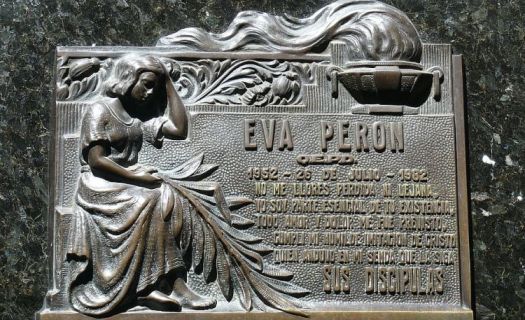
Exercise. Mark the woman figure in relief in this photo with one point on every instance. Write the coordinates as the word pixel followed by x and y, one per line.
pixel 122 246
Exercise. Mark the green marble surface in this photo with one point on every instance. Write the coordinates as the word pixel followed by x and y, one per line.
pixel 490 33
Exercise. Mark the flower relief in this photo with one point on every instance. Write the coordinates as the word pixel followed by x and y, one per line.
pixel 244 82
pixel 227 82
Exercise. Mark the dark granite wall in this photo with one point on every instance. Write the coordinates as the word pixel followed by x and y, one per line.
pixel 490 33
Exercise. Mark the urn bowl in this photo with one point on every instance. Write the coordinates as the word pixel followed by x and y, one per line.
pixel 387 82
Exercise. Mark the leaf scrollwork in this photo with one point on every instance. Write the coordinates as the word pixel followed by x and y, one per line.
pixel 243 82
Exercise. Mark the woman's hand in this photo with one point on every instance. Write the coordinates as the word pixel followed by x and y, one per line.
pixel 147 178
pixel 177 126
pixel 142 168
pixel 102 166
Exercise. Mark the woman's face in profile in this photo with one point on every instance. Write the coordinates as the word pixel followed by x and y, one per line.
pixel 145 88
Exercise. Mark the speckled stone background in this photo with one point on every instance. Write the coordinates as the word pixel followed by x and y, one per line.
pixel 490 33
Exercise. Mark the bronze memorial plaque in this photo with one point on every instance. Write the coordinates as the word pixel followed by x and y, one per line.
pixel 287 168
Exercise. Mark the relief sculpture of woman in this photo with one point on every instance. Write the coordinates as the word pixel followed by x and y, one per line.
pixel 122 247
pixel 136 230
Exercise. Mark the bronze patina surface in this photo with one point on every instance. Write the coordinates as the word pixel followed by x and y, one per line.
pixel 284 168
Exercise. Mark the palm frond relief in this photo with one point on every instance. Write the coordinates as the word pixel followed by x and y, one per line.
pixel 220 249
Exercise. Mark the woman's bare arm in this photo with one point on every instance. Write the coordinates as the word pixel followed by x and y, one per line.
pixel 100 164
pixel 177 126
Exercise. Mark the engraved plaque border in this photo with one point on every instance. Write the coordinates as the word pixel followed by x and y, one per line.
pixel 405 312
pixel 379 96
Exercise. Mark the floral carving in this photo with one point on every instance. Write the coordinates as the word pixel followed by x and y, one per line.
pixel 80 78
pixel 247 82
pixel 258 95
pixel 287 86
pixel 227 82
